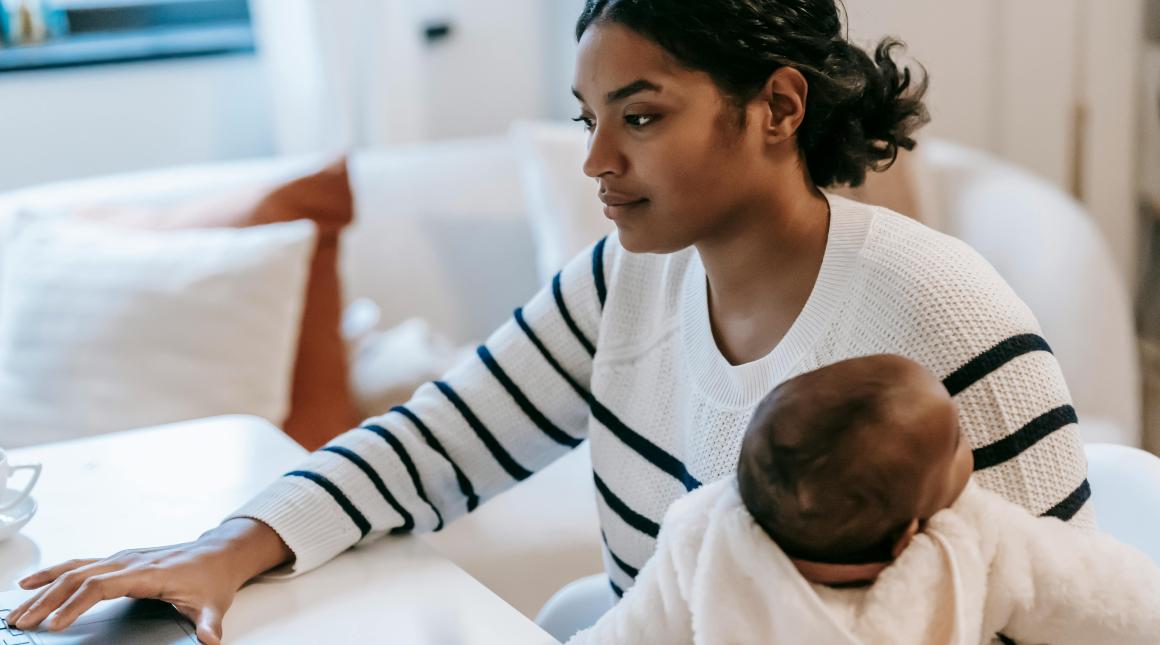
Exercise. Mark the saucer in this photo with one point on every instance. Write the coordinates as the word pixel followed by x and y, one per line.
pixel 14 519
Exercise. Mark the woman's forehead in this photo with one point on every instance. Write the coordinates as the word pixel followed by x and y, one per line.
pixel 612 56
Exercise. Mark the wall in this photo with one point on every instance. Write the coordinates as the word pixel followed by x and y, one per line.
pixel 492 69
pixel 1008 76
pixel 562 59
pixel 58 124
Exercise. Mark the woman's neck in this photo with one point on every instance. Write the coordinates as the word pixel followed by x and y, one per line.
pixel 762 267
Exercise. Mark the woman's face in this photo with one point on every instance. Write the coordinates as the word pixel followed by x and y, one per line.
pixel 664 144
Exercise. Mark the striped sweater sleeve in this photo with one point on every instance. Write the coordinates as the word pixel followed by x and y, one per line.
pixel 515 406
pixel 968 326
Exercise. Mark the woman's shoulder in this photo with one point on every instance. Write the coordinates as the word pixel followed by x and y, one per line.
pixel 923 270
pixel 919 253
pixel 938 297
pixel 645 290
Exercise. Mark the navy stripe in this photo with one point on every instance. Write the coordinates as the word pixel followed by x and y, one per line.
pixel 518 472
pixel 992 359
pixel 542 422
pixel 598 271
pixel 616 590
pixel 644 447
pixel 361 522
pixel 631 517
pixel 548 355
pixel 408 521
pixel 397 446
pixel 1024 438
pixel 1066 509
pixel 563 307
pixel 464 483
pixel 627 568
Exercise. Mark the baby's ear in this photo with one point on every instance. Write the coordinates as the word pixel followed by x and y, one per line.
pixel 904 539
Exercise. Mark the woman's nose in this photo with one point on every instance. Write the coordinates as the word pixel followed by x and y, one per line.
pixel 604 156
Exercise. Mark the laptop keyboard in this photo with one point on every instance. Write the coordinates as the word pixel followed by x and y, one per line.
pixel 9 635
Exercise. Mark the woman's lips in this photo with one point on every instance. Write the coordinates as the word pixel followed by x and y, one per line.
pixel 613 209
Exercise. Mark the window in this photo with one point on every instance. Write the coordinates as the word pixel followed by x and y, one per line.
pixel 39 34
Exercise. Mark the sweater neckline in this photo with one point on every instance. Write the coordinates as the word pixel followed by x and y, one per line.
pixel 743 386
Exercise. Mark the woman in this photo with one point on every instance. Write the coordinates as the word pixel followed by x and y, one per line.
pixel 712 126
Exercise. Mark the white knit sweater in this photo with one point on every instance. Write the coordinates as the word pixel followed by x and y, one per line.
pixel 618 350
pixel 980 568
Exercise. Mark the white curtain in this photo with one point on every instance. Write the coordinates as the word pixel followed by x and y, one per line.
pixel 343 74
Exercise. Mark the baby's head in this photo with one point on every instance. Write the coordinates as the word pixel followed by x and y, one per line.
pixel 842 464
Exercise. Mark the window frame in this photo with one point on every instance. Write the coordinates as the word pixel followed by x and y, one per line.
pixel 123 31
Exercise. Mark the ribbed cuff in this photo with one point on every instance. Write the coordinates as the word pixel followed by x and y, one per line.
pixel 306 518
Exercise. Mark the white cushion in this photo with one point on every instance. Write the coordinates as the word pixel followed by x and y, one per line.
pixel 388 366
pixel 439 232
pixel 160 188
pixel 563 210
pixel 104 328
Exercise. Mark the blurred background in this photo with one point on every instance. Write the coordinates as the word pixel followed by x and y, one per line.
pixel 1043 155
pixel 1067 89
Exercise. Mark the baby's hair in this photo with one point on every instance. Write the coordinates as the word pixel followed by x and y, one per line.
pixel 806 473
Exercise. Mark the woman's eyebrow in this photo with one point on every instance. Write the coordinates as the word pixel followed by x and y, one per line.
pixel 635 87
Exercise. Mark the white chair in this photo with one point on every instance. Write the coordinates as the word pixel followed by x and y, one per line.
pixel 1125 485
pixel 575 607
pixel 1048 248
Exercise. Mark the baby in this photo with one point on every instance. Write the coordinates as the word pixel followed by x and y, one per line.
pixel 853 519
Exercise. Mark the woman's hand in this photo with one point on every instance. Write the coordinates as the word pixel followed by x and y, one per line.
pixel 199 578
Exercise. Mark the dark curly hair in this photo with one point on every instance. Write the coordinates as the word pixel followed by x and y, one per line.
pixel 859 111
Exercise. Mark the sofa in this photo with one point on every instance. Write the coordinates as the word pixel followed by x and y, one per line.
pixel 446 231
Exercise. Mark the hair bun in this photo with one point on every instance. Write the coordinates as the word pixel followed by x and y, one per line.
pixel 875 107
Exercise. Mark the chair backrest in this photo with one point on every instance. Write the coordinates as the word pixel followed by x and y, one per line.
pixel 1125 485
pixel 1047 247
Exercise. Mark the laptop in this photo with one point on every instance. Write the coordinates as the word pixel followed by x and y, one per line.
pixel 120 622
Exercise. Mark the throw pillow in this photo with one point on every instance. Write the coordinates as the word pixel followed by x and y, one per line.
pixel 105 329
pixel 321 402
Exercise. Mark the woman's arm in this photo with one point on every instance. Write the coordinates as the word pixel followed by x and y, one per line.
pixel 520 403
pixel 513 408
pixel 965 324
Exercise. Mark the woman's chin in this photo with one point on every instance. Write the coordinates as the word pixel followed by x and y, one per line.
pixel 635 239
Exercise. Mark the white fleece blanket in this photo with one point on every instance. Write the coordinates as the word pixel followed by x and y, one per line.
pixel 982 567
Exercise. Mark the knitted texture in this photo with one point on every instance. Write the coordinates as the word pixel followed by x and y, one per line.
pixel 618 350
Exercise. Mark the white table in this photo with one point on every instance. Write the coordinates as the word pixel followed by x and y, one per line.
pixel 168 484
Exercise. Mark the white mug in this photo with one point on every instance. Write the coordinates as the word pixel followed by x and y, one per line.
pixel 6 472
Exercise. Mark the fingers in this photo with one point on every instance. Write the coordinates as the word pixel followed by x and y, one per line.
pixel 93 590
pixel 209 626
pixel 45 576
pixel 34 610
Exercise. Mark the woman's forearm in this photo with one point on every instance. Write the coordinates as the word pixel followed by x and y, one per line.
pixel 252 547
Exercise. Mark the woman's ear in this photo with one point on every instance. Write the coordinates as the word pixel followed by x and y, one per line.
pixel 903 540
pixel 785 96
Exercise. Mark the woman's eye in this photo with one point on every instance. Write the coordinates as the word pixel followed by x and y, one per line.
pixel 588 122
pixel 640 120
